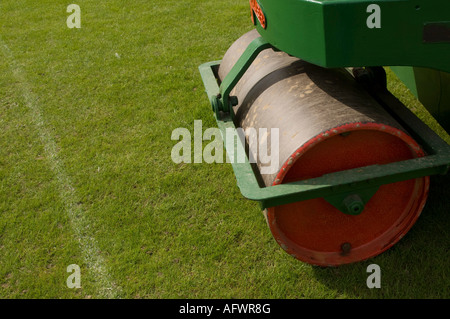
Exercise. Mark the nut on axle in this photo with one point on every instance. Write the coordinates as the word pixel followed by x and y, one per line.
pixel 353 204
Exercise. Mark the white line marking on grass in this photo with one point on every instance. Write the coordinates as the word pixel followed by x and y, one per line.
pixel 79 222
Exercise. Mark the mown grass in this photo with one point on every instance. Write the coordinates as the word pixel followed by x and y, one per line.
pixel 110 95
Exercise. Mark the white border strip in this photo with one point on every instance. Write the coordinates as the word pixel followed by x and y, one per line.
pixel 79 222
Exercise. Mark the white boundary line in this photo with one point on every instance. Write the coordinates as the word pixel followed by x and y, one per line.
pixel 78 220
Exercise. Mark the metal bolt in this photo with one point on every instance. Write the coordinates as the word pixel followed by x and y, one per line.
pixel 346 247
pixel 354 204
pixel 233 100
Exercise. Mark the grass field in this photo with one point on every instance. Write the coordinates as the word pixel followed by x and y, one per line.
pixel 86 175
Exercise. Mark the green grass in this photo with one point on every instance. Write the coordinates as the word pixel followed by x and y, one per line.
pixel 111 195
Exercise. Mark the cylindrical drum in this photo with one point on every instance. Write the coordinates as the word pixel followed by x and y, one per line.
pixel 326 123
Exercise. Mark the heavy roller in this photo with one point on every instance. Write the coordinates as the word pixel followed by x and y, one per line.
pixel 354 162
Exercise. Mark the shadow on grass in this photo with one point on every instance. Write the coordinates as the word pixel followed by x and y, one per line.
pixel 418 266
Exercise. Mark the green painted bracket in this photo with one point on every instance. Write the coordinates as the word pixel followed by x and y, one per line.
pixel 352 203
pixel 338 184
pixel 223 101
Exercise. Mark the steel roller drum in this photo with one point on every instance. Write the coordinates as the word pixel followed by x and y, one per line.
pixel 326 123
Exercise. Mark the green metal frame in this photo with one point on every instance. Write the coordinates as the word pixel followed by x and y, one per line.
pixel 334 33
pixel 339 184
